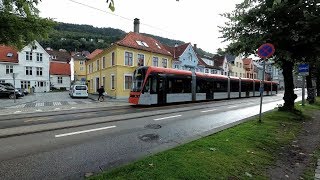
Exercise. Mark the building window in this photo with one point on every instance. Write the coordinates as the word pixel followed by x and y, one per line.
pixel 39 57
pixel 41 83
pixel 98 65
pixel 112 59
pixel 112 82
pixel 164 63
pixel 89 67
pixel 103 62
pixel 28 70
pixel 237 64
pixel 241 65
pixel 236 74
pixel 190 57
pixel 2 81
pixel 9 69
pixel 128 59
pixel 212 71
pixel 39 71
pixel 240 74
pixel 104 82
pixel 155 61
pixel 59 80
pixel 207 71
pixel 127 82
pixel 81 69
pixel 28 56
pixel 25 84
pixel 81 62
pixel 176 66
pixel 140 60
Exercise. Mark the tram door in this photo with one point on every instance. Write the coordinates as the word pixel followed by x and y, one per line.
pixel 161 89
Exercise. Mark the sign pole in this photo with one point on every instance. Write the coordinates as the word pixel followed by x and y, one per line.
pixel 264 51
pixel 262 88
pixel 303 89
pixel 14 87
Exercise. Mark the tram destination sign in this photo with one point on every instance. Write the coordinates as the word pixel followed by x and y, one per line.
pixel 303 69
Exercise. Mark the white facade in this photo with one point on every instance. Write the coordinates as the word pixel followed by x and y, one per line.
pixel 31 71
pixel 60 81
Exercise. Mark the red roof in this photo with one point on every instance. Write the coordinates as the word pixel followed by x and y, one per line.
pixel 57 68
pixel 94 53
pixel 152 45
pixel 177 51
pixel 5 54
pixel 247 61
pixel 218 60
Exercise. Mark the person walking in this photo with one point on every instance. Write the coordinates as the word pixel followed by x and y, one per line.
pixel 101 91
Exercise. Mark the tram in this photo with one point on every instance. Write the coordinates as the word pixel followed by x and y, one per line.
pixel 157 85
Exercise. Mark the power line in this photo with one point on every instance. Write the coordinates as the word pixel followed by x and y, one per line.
pixel 101 10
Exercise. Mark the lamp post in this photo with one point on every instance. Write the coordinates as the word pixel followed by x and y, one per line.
pixel 14 75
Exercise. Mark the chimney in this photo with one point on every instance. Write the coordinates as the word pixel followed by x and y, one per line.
pixel 136 24
pixel 176 45
pixel 195 46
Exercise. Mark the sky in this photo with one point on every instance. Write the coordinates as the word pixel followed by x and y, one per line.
pixel 186 20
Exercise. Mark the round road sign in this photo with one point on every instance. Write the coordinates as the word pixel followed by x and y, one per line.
pixel 266 50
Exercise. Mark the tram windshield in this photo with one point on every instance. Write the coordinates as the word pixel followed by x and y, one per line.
pixel 138 77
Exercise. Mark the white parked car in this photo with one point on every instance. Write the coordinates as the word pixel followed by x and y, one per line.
pixel 78 91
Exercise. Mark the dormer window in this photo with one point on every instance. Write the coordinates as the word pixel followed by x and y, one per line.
pixel 9 54
pixel 34 47
pixel 141 43
pixel 158 46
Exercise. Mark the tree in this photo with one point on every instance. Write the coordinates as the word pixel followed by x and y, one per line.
pixel 20 23
pixel 292 26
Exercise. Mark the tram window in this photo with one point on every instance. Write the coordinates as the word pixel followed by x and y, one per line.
pixel 201 86
pixel 257 86
pixel 147 86
pixel 153 89
pixel 179 85
pixel 234 86
pixel 221 86
pixel 246 86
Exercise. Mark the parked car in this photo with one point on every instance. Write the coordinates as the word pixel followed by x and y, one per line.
pixel 9 92
pixel 79 91
pixel 24 91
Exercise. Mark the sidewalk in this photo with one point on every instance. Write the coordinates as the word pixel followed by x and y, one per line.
pixel 107 98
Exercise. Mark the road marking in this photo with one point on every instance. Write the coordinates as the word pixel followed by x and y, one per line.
pixel 57 104
pixel 209 110
pixel 72 102
pixel 38 119
pixel 57 109
pixel 40 104
pixel 85 131
pixel 232 106
pixel 167 117
pixel 73 107
pixel 38 110
pixel 17 112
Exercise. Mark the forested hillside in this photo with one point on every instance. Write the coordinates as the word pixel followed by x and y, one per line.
pixel 75 37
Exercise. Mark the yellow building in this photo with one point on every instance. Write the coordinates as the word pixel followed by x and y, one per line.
pixel 113 67
pixel 78 64
pixel 237 67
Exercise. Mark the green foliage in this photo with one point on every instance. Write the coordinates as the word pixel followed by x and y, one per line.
pixel 292 26
pixel 20 23
pixel 250 147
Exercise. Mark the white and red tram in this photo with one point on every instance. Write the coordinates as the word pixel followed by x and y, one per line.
pixel 156 85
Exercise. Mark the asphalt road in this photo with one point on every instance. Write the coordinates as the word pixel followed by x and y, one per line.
pixel 70 153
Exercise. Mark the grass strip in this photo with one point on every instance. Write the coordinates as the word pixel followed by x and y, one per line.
pixel 240 152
